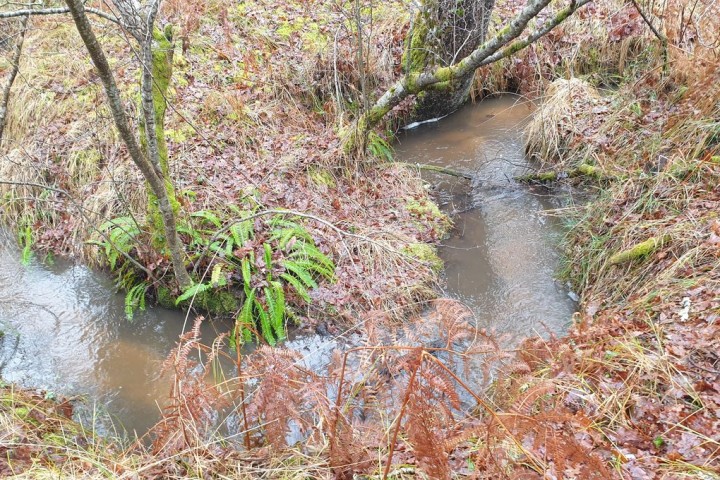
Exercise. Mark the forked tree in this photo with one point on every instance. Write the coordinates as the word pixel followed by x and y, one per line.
pixel 149 153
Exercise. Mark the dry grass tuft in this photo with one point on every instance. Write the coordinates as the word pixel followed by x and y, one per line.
pixel 552 135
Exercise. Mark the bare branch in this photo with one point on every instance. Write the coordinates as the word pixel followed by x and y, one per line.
pixel 56 11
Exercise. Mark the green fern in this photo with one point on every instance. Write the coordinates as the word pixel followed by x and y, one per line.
pixel 301 273
pixel 216 277
pixel 26 240
pixel 245 318
pixel 275 298
pixel 265 324
pixel 192 291
pixel 135 300
pixel 208 216
pixel 297 285
pixel 379 148
pixel 121 235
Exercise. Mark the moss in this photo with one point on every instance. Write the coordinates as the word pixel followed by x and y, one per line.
pixel 165 298
pixel 427 210
pixel 57 440
pixel 588 170
pixel 322 177
pixel 181 134
pixel 162 68
pixel 21 412
pixel 542 177
pixel 639 251
pixel 414 58
pixel 218 302
pixel 426 253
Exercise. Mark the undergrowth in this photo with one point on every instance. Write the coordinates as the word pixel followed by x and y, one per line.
pixel 631 392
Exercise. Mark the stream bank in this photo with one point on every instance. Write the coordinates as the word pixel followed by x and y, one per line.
pixel 500 262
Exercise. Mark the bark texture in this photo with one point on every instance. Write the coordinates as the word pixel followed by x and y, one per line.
pixel 157 57
pixel 444 31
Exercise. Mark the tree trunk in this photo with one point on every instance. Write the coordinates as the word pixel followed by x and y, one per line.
pixel 154 178
pixel 444 31
pixel 14 69
pixel 157 58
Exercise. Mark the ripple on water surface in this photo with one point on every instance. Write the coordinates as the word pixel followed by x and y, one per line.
pixel 503 254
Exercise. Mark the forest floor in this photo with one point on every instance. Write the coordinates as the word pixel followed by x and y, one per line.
pixel 632 391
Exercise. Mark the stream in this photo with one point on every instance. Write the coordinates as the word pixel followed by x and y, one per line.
pixel 64 328
pixel 501 258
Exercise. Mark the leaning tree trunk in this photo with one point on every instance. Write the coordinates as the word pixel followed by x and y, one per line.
pixel 444 32
pixel 448 78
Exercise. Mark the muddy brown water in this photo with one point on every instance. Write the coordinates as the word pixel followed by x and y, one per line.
pixel 64 327
pixel 503 253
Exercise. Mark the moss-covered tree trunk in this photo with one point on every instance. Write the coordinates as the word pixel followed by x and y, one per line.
pixel 150 168
pixel 159 55
pixel 443 32
pixel 454 80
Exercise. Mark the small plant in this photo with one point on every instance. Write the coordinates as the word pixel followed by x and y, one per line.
pixel 379 147
pixel 135 300
pixel 282 260
pixel 26 241
pixel 120 238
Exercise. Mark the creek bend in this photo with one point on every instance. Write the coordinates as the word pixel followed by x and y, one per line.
pixel 64 326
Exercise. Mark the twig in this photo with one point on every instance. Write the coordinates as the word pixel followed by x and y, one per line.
pixel 57 11
pixel 437 169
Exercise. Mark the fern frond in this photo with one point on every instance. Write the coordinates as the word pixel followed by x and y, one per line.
pixel 278 312
pixel 209 216
pixel 297 286
pixel 242 231
pixel 246 273
pixel 245 318
pixel 267 256
pixel 310 266
pixel 192 291
pixel 265 325
pixel 135 299
pixel 216 278
pixel 311 253
pixel 299 271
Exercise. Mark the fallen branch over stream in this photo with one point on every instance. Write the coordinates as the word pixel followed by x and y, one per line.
pixel 436 169
pixel 583 170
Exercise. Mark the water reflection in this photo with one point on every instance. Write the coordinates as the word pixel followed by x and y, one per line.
pixel 65 331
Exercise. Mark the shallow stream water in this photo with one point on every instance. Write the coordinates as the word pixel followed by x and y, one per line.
pixel 64 326
pixel 503 253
